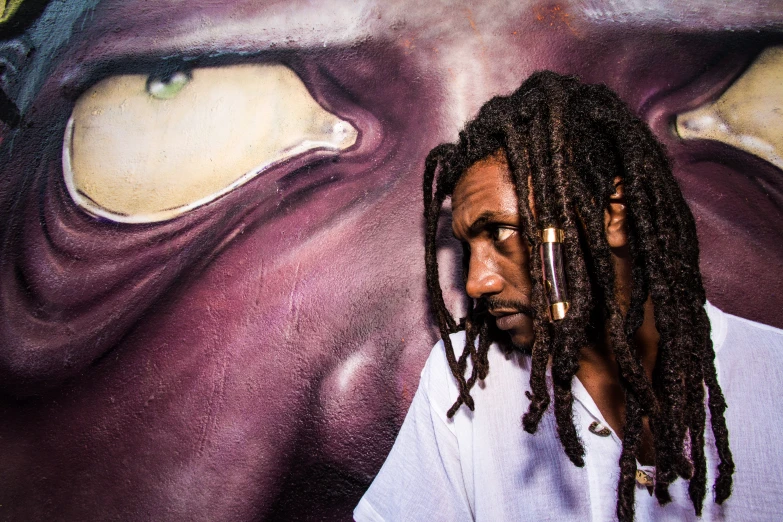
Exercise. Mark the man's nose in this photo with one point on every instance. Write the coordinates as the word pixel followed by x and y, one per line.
pixel 483 278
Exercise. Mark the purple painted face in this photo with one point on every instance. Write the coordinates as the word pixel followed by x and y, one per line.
pixel 251 355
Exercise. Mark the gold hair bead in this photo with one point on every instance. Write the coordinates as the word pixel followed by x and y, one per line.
pixel 552 235
pixel 552 257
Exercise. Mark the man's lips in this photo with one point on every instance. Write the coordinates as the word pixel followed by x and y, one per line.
pixel 509 313
pixel 507 320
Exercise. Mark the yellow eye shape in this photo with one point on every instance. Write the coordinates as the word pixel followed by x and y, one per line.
pixel 503 233
pixel 142 149
pixel 747 116
pixel 169 86
pixel 9 8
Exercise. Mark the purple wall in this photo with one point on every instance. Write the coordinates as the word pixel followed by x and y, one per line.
pixel 184 338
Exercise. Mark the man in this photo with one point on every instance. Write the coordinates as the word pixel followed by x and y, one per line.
pixel 628 357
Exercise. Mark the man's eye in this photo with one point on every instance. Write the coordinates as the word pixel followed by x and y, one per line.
pixel 147 148
pixel 503 233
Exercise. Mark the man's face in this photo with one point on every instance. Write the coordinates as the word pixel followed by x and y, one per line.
pixel 486 220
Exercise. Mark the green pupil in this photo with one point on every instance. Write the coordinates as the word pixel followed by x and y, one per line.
pixel 167 88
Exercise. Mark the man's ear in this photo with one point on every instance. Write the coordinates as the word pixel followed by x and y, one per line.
pixel 614 218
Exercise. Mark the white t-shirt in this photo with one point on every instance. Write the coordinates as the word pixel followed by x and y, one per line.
pixel 483 466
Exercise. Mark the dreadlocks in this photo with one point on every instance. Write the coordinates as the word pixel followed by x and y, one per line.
pixel 570 141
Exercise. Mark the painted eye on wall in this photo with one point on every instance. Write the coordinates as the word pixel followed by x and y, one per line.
pixel 143 149
pixel 169 86
pixel 747 115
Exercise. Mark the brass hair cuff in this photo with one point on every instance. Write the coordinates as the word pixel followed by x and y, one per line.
pixel 558 310
pixel 552 235
pixel 553 271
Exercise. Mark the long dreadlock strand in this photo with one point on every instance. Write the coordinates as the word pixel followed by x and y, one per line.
pixel 564 362
pixel 717 408
pixel 569 333
pixel 446 322
pixel 697 484
pixel 626 485
pixel 520 165
pixel 669 378
pixel 482 355
pixel 471 332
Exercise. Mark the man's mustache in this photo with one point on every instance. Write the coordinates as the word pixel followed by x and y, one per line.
pixel 485 304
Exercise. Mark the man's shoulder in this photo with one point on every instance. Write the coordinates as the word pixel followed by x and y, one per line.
pixel 736 334
pixel 748 355
pixel 436 374
pixel 756 329
pixel 505 367
pixel 437 358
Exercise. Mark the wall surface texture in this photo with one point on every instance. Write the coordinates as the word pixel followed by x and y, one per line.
pixel 212 298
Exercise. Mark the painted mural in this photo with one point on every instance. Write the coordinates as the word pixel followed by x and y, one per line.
pixel 212 298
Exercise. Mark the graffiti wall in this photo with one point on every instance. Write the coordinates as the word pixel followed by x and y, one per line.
pixel 212 298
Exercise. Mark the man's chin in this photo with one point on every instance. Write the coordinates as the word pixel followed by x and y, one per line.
pixel 509 342
pixel 524 346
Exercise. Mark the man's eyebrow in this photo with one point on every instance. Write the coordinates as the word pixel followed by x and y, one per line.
pixel 480 223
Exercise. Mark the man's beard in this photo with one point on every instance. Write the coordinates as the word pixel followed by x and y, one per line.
pixel 504 338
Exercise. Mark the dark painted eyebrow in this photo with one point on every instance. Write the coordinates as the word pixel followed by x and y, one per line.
pixel 88 74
